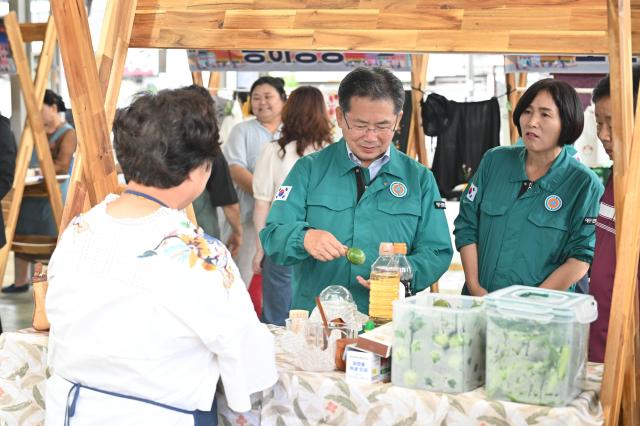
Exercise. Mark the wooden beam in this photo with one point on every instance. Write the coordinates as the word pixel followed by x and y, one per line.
pixel 512 95
pixel 112 51
pixel 33 102
pixel 111 58
pixel 630 391
pixel 87 97
pixel 416 142
pixel 627 198
pixel 33 31
pixel 214 83
pixel 33 99
pixel 196 77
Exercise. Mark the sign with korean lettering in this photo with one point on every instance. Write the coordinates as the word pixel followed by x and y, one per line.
pixel 557 64
pixel 280 60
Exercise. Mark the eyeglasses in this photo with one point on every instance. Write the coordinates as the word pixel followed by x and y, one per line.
pixel 362 129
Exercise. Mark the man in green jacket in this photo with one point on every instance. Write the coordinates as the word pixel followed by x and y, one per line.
pixel 358 192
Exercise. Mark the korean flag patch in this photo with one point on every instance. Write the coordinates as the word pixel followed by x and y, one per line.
pixel 471 194
pixel 282 193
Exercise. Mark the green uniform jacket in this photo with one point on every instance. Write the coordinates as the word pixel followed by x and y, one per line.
pixel 323 196
pixel 523 240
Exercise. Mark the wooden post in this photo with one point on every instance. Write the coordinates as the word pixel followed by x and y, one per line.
pixel 33 130
pixel 112 53
pixel 622 318
pixel 87 97
pixel 33 102
pixel 416 143
pixel 214 82
pixel 196 76
pixel 110 59
pixel 513 100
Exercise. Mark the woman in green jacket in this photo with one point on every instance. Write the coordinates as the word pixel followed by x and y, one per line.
pixel 528 214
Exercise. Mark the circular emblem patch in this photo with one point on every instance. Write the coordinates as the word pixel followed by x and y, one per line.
pixel 398 189
pixel 553 203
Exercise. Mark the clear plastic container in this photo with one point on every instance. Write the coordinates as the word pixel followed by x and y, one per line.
pixel 439 343
pixel 384 281
pixel 537 344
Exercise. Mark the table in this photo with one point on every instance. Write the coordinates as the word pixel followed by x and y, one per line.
pixel 305 398
pixel 23 371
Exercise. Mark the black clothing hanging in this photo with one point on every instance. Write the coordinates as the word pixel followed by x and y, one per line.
pixel 465 131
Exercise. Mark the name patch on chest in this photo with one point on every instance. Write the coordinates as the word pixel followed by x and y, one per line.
pixel 440 205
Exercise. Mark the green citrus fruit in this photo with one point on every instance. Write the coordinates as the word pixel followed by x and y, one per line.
pixel 356 256
pixel 441 303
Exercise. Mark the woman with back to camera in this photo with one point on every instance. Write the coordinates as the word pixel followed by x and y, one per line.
pixel 306 128
pixel 528 214
pixel 245 142
pixel 146 311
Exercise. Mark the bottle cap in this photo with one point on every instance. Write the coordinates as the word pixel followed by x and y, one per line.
pixel 400 248
pixel 369 325
pixel 385 249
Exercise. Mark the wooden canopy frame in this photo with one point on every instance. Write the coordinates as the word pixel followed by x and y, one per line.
pixel 542 26
pixel 33 134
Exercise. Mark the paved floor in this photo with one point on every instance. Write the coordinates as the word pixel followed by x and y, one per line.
pixel 16 310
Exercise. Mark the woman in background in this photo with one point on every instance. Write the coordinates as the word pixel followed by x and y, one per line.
pixel 267 98
pixel 306 128
pixel 528 214
pixel 36 216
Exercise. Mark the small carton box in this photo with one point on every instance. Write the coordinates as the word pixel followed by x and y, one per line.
pixel 378 340
pixel 366 367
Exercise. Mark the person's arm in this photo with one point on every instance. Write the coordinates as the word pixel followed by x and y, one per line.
pixel 567 274
pixel 218 309
pixel 7 157
pixel 466 228
pixel 220 185
pixel 68 144
pixel 582 239
pixel 287 237
pixel 232 214
pixel 243 177
pixel 431 251
pixel 469 257
pixel 260 213
pixel 235 151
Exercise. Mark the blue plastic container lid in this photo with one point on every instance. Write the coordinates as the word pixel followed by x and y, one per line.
pixel 541 304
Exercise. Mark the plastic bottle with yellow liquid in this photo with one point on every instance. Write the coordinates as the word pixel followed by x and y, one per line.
pixel 384 281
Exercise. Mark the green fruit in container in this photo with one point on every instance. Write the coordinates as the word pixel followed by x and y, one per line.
pixel 399 353
pixel 410 377
pixel 456 340
pixel 441 339
pixel 356 256
pixel 441 303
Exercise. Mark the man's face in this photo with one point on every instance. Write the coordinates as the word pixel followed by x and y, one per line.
pixel 368 127
pixel 603 123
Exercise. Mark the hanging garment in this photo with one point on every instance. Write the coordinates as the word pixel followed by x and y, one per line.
pixel 465 131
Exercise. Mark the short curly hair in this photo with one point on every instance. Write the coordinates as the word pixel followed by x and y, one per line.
pixel 160 138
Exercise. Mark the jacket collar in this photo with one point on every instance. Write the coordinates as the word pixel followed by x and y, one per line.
pixel 553 176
